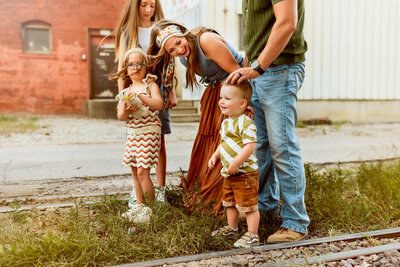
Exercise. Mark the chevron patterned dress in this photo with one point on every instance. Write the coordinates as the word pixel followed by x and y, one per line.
pixel 143 138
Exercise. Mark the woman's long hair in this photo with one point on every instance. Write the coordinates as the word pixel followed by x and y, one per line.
pixel 160 58
pixel 128 23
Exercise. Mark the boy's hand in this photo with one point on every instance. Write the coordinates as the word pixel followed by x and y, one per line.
pixel 212 162
pixel 233 169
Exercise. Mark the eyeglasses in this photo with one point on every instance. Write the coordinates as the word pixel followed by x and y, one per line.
pixel 135 66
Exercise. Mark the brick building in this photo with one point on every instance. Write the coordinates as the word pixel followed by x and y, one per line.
pixel 50 58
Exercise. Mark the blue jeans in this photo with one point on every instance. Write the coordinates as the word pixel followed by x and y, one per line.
pixel 165 117
pixel 278 150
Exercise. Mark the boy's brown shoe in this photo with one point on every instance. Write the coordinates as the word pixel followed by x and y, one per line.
pixel 285 235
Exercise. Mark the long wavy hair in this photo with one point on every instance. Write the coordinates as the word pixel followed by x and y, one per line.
pixel 160 58
pixel 128 23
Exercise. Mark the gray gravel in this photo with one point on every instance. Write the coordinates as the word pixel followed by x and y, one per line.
pixel 388 258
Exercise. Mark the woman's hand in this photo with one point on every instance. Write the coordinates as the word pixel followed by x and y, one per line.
pixel 172 100
pixel 249 112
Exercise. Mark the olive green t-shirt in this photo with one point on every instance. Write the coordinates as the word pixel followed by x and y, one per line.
pixel 258 18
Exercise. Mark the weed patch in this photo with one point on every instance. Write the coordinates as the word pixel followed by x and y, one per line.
pixel 12 124
pixel 98 235
pixel 362 199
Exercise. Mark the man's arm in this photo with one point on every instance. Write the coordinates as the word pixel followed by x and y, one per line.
pixel 286 21
pixel 284 27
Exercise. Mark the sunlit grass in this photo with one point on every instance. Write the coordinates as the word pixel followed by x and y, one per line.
pixel 366 198
pixel 10 124
pixel 338 200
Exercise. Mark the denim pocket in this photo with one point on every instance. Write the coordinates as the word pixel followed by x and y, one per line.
pixel 278 70
pixel 299 78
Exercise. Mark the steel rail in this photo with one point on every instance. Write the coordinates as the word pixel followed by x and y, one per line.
pixel 386 233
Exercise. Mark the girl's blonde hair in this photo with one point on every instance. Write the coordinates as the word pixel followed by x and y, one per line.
pixel 160 58
pixel 122 73
pixel 128 23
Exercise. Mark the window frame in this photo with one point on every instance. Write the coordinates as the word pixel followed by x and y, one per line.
pixel 36 25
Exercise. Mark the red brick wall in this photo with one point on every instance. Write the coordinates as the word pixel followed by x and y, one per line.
pixel 56 83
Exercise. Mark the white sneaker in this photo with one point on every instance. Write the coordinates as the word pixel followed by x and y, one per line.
pixel 143 216
pixel 130 214
pixel 160 194
pixel 132 199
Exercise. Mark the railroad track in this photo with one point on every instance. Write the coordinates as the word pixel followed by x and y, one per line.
pixel 54 201
pixel 375 248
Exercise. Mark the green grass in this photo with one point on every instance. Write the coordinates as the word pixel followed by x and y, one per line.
pixel 338 201
pixel 10 124
pixel 301 124
pixel 367 198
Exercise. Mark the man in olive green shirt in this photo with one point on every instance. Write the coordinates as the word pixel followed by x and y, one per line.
pixel 275 49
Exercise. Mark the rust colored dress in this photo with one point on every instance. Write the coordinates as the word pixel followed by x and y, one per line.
pixel 203 186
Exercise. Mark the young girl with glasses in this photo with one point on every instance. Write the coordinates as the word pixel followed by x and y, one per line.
pixel 133 30
pixel 138 106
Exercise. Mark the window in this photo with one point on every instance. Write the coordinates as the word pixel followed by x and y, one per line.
pixel 36 37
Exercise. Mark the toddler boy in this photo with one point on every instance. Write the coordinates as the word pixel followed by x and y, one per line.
pixel 239 164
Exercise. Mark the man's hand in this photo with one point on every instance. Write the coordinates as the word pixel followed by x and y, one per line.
pixel 242 74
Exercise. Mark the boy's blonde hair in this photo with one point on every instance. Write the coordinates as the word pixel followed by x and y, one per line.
pixel 245 89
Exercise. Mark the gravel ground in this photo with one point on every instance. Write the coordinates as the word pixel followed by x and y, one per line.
pixel 81 130
pixel 70 129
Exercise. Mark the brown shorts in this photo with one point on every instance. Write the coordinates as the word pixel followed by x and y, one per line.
pixel 241 191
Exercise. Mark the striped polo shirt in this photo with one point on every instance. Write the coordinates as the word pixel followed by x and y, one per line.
pixel 235 134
